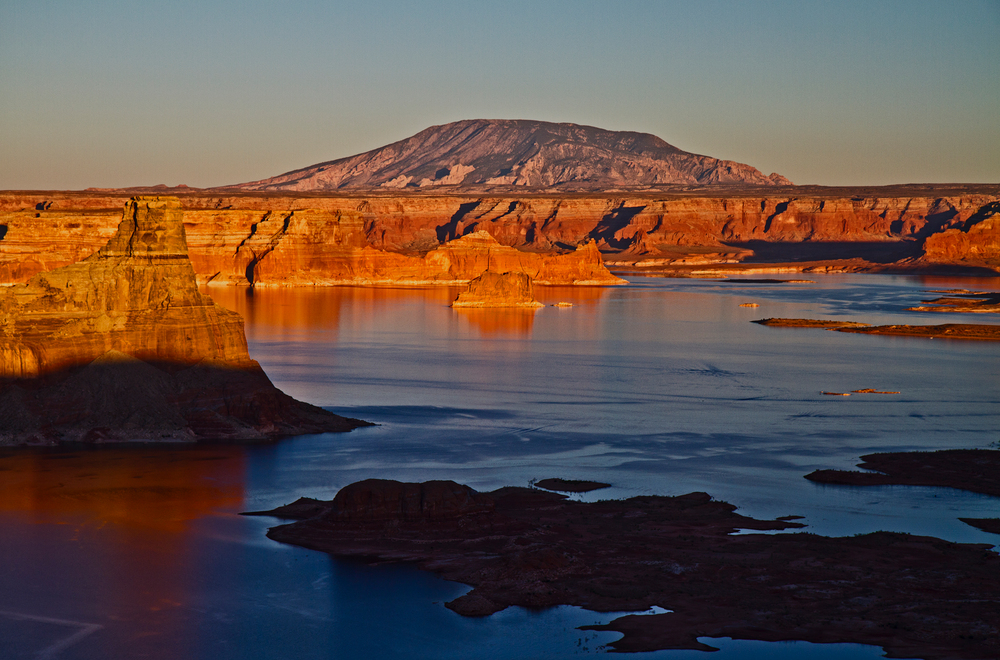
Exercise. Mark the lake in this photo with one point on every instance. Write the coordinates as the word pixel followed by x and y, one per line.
pixel 660 387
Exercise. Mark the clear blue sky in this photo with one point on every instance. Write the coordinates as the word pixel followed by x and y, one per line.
pixel 209 92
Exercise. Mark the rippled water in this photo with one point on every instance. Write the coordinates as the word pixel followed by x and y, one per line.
pixel 660 387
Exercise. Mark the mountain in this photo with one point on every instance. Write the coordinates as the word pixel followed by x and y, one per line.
pixel 532 154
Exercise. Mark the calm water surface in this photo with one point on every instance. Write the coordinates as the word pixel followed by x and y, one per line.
pixel 661 387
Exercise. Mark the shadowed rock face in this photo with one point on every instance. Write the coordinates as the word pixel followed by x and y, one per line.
pixel 123 347
pixel 382 500
pixel 534 154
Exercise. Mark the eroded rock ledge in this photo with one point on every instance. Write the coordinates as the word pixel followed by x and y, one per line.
pixel 121 346
pixel 914 596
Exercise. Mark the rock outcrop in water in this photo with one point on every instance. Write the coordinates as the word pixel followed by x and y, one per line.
pixel 915 596
pixel 498 290
pixel 523 153
pixel 122 346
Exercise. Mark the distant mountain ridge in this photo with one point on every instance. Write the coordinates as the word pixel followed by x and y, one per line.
pixel 518 152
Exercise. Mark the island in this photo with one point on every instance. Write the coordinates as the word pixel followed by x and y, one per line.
pixel 499 290
pixel 914 596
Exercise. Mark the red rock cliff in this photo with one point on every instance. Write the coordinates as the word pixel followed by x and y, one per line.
pixel 137 295
pixel 385 237
pixel 122 347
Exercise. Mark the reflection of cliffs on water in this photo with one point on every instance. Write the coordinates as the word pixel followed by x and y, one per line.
pixel 280 314
pixel 121 346
pixel 161 490
pixel 117 537
pixel 499 321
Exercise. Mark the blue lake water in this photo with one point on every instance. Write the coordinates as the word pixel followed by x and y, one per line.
pixel 660 387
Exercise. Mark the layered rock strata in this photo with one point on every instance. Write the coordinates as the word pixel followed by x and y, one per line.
pixel 498 290
pixel 383 237
pixel 976 242
pixel 914 596
pixel 123 346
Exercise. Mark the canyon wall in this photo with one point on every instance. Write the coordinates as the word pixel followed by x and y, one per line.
pixel 268 238
pixel 976 242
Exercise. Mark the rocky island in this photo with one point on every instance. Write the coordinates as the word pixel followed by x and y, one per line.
pixel 122 346
pixel 914 596
pixel 498 290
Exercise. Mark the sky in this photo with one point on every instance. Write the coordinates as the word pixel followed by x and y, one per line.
pixel 109 93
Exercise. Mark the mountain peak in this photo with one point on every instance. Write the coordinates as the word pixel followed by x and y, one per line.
pixel 519 152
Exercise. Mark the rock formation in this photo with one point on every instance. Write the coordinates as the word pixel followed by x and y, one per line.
pixel 498 290
pixel 384 237
pixel 976 242
pixel 533 154
pixel 311 248
pixel 915 596
pixel 123 346
pixel 137 295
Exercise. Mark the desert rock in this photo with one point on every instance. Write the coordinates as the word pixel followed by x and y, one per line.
pixel 498 290
pixel 122 346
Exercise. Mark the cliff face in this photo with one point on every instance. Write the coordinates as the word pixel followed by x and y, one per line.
pixel 976 242
pixel 389 238
pixel 121 346
pixel 312 247
pixel 533 154
pixel 137 295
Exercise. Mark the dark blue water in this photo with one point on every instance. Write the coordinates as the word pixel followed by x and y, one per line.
pixel 661 387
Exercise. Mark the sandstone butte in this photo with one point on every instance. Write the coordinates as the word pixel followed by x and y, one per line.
pixel 408 237
pixel 498 290
pixel 122 346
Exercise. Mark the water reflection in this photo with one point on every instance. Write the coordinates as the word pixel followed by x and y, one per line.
pixel 133 488
pixel 294 314
pixel 499 322
pixel 106 539
pixel 954 282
